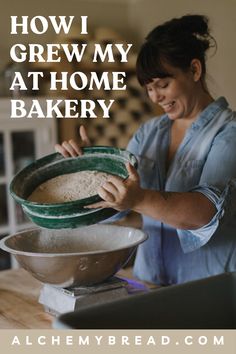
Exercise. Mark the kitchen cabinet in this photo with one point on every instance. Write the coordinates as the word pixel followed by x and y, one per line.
pixel 22 140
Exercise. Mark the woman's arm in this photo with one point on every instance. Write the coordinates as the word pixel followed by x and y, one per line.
pixel 186 211
pixel 190 210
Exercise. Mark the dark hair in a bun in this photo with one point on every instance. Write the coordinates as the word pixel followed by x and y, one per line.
pixel 176 42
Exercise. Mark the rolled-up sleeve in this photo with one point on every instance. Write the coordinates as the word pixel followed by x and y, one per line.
pixel 218 184
pixel 191 240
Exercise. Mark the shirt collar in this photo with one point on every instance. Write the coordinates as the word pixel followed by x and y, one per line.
pixel 210 111
pixel 204 117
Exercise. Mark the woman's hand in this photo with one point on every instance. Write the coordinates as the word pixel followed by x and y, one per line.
pixel 120 194
pixel 71 148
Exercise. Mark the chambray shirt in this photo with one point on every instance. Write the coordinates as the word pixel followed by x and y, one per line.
pixel 204 162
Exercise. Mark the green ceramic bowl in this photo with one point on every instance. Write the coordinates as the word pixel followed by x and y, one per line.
pixel 69 214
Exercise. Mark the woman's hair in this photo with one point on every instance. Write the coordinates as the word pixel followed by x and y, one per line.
pixel 176 42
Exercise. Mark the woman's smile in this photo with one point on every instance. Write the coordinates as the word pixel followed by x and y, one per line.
pixel 168 107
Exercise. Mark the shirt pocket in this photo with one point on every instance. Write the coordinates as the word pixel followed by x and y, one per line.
pixel 148 172
pixel 193 170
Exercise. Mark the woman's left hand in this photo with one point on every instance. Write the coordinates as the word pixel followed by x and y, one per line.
pixel 120 194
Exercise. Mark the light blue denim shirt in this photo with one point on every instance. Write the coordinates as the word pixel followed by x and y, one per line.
pixel 205 162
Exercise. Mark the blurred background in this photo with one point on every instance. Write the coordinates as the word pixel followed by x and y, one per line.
pixel 109 21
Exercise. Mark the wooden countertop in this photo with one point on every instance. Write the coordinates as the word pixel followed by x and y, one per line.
pixel 19 307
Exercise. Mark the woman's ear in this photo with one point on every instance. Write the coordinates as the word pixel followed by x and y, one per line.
pixel 196 69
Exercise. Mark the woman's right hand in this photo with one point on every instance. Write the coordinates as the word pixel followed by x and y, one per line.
pixel 71 148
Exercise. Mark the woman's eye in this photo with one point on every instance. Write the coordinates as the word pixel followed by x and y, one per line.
pixel 163 86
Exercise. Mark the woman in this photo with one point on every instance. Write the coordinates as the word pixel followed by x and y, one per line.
pixel 185 185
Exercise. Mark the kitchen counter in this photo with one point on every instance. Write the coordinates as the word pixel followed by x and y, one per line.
pixel 19 307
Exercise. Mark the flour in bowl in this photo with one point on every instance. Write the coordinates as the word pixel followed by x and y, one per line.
pixel 69 187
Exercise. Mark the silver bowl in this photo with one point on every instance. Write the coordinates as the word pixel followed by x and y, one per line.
pixel 83 256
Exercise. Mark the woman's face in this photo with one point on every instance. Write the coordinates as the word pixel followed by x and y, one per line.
pixel 177 94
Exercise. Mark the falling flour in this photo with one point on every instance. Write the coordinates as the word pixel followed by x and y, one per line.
pixel 69 187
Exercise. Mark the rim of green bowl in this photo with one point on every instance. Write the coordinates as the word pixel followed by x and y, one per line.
pixel 57 158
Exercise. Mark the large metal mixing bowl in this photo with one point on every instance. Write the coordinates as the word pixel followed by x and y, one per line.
pixel 84 256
